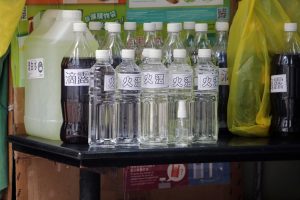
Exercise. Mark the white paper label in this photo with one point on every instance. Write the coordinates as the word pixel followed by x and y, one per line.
pixel 77 77
pixel 208 82
pixel 278 83
pixel 129 81
pixel 181 81
pixel 154 80
pixel 109 83
pixel 35 68
pixel 223 76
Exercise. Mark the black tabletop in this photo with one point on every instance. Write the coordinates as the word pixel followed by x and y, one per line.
pixel 227 149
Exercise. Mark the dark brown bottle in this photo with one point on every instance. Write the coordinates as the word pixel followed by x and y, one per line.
pixel 285 86
pixel 75 72
pixel 75 99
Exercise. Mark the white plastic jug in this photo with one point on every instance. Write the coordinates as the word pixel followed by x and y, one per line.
pixel 44 52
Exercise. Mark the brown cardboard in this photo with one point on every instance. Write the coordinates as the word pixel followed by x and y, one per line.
pixel 19 99
pixel 41 179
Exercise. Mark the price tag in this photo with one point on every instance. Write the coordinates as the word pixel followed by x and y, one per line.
pixel 35 68
pixel 77 77
pixel 223 76
pixel 154 80
pixel 208 82
pixel 278 83
pixel 129 81
pixel 181 81
pixel 109 83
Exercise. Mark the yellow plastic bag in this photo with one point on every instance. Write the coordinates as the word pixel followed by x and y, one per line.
pixel 255 34
pixel 10 13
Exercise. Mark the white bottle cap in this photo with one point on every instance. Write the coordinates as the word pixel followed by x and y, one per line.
pixel 181 113
pixel 179 53
pixel 204 53
pixel 128 53
pixel 102 54
pixel 70 14
pixel 145 52
pixel 106 25
pixel 79 27
pixel 154 53
pixel 149 26
pixel 114 27
pixel 130 26
pixel 188 25
pixel 290 27
pixel 174 27
pixel 95 26
pixel 201 27
pixel 222 26
pixel 158 26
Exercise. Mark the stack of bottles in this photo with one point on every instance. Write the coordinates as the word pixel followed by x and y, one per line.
pixel 158 93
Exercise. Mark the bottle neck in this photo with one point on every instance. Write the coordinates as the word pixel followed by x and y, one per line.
pixel 112 40
pixel 149 35
pixel 80 47
pixel 128 60
pixel 292 44
pixel 102 60
pixel 201 35
pixel 204 60
pixel 180 60
pixel 222 37
pixel 154 60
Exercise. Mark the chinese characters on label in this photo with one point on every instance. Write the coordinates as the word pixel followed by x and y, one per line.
pixel 35 68
pixel 77 77
pixel 129 81
pixel 154 80
pixel 208 82
pixel 183 81
pixel 109 83
pixel 223 76
pixel 278 83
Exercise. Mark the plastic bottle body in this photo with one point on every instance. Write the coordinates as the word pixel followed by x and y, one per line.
pixel 101 105
pixel 205 102
pixel 154 103
pixel 180 96
pixel 128 113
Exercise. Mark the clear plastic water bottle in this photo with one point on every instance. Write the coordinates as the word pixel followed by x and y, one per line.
pixel 114 43
pixel 128 89
pixel 154 101
pixel 201 41
pixel 189 37
pixel 149 35
pixel 75 69
pixel 95 28
pixel 180 96
pixel 205 102
pixel 101 103
pixel 220 56
pixel 173 42
pixel 159 34
pixel 145 56
pixel 129 36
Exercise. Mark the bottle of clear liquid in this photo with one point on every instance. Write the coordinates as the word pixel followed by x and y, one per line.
pixel 154 101
pixel 189 37
pixel 145 56
pixel 220 56
pixel 173 42
pixel 159 34
pixel 128 92
pixel 101 103
pixel 285 76
pixel 149 35
pixel 205 103
pixel 95 28
pixel 114 43
pixel 180 96
pixel 201 40
pixel 75 69
pixel 129 36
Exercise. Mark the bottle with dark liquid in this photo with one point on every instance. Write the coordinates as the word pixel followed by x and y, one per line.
pixel 220 56
pixel 114 43
pixel 75 70
pixel 285 86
